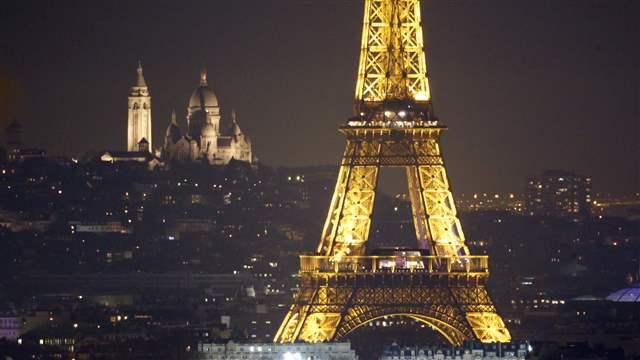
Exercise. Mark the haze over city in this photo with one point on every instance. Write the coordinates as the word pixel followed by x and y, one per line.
pixel 523 86
pixel 320 180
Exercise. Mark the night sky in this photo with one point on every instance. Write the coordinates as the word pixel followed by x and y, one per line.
pixel 523 85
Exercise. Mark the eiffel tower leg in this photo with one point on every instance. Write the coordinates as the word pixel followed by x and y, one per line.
pixel 346 229
pixel 430 193
pixel 316 313
pixel 290 327
pixel 418 209
pixel 480 313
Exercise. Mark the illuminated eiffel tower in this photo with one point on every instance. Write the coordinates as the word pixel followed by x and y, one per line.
pixel 440 284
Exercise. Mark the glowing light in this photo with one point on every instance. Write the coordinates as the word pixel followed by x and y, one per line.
pixel 291 356
pixel 422 95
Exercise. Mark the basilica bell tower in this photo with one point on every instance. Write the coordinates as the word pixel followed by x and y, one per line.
pixel 139 118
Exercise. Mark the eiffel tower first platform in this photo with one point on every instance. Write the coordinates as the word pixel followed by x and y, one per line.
pixel 438 284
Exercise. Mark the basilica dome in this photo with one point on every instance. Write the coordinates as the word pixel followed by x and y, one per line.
pixel 203 97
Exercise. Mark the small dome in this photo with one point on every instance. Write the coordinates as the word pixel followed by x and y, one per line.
pixel 235 129
pixel 208 130
pixel 629 294
pixel 173 133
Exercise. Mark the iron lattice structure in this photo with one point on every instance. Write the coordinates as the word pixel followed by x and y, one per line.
pixel 392 62
pixel 342 288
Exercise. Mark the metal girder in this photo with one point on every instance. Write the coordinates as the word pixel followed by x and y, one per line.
pixel 346 229
pixel 347 226
pixel 392 60
pixel 459 311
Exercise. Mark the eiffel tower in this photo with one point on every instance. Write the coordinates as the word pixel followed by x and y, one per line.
pixel 439 284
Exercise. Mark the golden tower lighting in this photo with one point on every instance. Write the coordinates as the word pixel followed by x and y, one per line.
pixel 342 287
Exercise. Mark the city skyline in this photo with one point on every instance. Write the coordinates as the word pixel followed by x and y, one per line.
pixel 330 224
pixel 502 60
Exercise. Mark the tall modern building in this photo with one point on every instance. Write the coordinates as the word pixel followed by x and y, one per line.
pixel 139 119
pixel 558 193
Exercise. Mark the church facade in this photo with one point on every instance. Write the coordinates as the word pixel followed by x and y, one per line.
pixel 206 138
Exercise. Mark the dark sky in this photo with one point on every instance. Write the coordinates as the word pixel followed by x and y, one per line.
pixel 523 85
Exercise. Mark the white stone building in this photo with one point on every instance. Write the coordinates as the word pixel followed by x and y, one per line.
pixel 271 351
pixel 205 139
pixel 474 351
pixel 14 326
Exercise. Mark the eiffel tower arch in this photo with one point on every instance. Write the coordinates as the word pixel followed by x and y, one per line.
pixel 439 284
